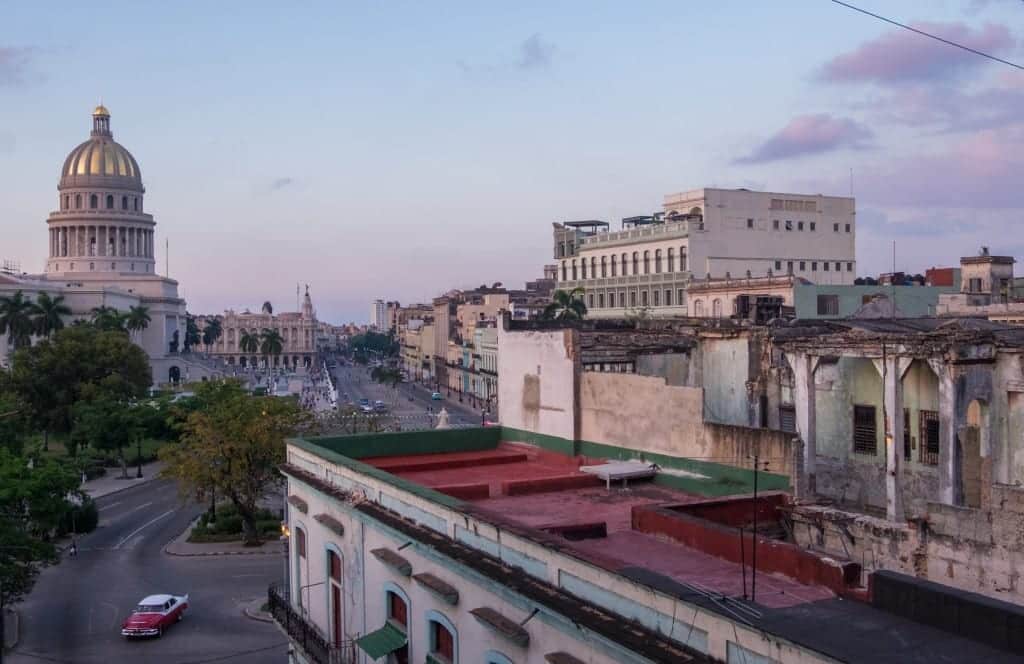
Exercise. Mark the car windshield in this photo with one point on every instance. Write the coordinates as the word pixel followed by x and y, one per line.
pixel 149 608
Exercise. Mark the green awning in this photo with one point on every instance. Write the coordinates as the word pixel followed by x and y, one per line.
pixel 385 640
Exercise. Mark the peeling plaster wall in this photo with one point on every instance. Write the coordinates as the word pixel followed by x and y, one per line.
pixel 537 390
pixel 725 372
pixel 675 368
pixel 640 412
pixel 644 414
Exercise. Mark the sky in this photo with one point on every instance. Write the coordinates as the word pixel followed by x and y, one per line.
pixel 401 149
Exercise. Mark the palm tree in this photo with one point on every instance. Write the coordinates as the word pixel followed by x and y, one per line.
pixel 108 319
pixel 191 332
pixel 566 305
pixel 16 320
pixel 49 314
pixel 211 332
pixel 249 342
pixel 271 343
pixel 138 318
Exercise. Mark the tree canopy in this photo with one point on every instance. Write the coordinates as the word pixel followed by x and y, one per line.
pixel 233 443
pixel 76 363
pixel 33 503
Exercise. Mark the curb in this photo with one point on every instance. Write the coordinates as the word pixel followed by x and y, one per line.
pixel 255 613
pixel 144 482
pixel 200 554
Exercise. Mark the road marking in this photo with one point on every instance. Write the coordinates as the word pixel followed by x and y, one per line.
pixel 140 528
pixel 136 509
pixel 111 505
pixel 243 576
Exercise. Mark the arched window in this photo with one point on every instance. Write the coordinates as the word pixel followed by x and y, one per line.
pixel 614 265
pixel 643 298
pixel 636 262
pixel 625 265
pixel 698 308
pixel 78 201
pixel 647 262
pixel 563 271
pixel 334 566
pixel 94 202
pixel 604 267
pixel 657 298
pixel 110 201
pixel 593 268
pixel 136 204
pixel 67 200
pixel 657 261
pixel 683 267
pixel 716 308
pixel 668 298
pixel 442 639
pixel 583 268
pixel 574 276
pixel 495 657
pixel 671 259
pixel 124 202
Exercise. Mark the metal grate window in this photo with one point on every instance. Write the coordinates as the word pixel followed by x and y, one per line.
pixel 929 437
pixel 828 305
pixel 865 430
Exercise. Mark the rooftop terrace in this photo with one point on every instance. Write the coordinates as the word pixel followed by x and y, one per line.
pixel 679 533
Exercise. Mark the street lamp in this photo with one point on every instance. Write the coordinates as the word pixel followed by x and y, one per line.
pixel 138 457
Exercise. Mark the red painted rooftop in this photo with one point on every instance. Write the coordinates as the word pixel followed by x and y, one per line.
pixel 540 489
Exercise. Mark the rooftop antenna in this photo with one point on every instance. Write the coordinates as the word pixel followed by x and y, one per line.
pixel 167 257
pixel 892 281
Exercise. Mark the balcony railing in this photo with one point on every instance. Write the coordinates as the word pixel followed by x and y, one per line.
pixel 304 633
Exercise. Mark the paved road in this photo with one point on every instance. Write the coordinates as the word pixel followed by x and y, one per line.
pixel 74 613
pixel 356 381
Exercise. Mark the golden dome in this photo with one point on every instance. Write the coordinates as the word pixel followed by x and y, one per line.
pixel 101 157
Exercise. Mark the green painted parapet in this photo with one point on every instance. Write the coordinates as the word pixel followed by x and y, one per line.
pixel 429 441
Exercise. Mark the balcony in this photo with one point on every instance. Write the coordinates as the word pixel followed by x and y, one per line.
pixel 305 634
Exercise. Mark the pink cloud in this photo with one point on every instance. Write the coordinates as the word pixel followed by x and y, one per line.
pixel 810 134
pixel 981 171
pixel 900 56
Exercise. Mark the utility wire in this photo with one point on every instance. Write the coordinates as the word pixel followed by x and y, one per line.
pixel 929 35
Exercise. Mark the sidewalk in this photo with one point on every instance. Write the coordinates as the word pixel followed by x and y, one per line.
pixel 180 546
pixel 112 482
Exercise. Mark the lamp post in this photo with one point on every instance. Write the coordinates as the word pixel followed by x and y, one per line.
pixel 138 457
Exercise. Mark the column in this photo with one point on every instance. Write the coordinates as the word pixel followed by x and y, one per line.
pixel 947 431
pixel 803 366
pixel 131 242
pixel 892 378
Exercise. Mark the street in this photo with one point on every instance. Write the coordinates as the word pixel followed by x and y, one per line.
pixel 75 611
pixel 355 380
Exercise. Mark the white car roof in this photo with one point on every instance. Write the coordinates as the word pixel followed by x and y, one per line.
pixel 156 599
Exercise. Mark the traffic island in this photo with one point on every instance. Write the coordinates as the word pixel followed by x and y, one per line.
pixel 181 546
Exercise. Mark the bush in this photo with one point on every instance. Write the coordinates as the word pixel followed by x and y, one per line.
pixel 268 526
pixel 227 524
pixel 83 518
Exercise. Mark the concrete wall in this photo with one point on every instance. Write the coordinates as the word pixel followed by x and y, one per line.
pixel 644 414
pixel 725 369
pixel 537 391
pixel 977 550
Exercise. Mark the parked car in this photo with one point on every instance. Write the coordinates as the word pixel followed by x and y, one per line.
pixel 154 614
pixel 364 402
pixel 436 396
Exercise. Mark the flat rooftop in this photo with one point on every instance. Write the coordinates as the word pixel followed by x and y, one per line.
pixel 533 489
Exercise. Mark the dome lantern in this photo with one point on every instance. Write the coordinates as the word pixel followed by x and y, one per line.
pixel 101 121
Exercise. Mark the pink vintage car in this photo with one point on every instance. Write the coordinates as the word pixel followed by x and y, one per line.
pixel 154 614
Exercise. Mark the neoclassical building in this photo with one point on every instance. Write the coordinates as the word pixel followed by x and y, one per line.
pixel 101 251
pixel 299 332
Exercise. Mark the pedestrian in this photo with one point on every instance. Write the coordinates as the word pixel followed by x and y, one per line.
pixel 73 549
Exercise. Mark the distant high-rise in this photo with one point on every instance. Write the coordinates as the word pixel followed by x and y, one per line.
pixel 378 315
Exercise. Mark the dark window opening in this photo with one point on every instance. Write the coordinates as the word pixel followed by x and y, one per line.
pixel 929 433
pixel 865 430
pixel 828 305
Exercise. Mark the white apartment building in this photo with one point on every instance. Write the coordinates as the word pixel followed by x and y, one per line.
pixel 378 315
pixel 646 265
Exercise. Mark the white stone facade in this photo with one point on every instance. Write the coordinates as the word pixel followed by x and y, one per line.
pixel 716 232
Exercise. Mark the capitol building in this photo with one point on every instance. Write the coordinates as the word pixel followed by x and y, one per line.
pixel 101 251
